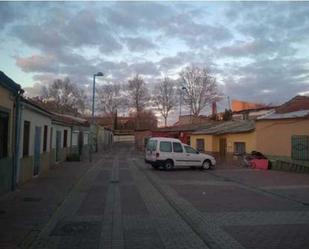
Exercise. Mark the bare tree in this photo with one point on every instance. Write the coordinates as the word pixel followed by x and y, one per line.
pixel 65 95
pixel 111 99
pixel 165 97
pixel 138 93
pixel 200 88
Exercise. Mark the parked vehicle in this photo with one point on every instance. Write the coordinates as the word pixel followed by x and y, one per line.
pixel 170 152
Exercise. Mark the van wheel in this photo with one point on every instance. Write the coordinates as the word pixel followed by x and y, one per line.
pixel 169 165
pixel 206 164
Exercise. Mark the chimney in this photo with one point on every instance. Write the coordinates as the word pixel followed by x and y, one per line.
pixel 214 108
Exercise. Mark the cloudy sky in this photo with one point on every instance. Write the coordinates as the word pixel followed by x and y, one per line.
pixel 258 51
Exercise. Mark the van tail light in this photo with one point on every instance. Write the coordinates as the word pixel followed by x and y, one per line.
pixel 157 154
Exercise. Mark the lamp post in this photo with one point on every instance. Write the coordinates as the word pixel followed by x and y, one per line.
pixel 92 131
pixel 181 98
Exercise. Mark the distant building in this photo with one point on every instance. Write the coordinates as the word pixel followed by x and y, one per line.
pixel 191 119
pixel 252 114
pixel 239 105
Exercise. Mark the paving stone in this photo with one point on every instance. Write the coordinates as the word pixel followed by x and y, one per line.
pixel 271 236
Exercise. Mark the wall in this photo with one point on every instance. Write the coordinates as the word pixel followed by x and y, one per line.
pixel 36 119
pixel 140 137
pixel 7 104
pixel 274 136
pixel 212 141
pixel 63 151
pixel 124 138
pixel 208 141
pixel 104 138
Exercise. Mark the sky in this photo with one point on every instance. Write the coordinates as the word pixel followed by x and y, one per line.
pixel 258 51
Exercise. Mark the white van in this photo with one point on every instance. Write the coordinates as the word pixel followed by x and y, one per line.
pixel 170 152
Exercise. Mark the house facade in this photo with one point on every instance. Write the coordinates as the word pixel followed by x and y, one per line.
pixel 229 137
pixel 285 132
pixel 10 93
pixel 34 141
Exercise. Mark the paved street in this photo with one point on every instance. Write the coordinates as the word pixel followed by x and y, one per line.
pixel 120 202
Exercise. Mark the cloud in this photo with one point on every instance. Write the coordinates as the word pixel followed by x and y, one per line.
pixel 138 44
pixel 258 50
pixel 38 63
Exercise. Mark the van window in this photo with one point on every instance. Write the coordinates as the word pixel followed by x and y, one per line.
pixel 165 146
pixel 190 150
pixel 152 145
pixel 177 147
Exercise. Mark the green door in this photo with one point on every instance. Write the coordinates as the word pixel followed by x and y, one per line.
pixel 300 148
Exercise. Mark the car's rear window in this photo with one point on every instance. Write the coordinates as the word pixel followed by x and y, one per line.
pixel 165 146
pixel 152 145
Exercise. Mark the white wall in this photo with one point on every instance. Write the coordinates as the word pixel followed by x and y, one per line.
pixel 36 120
pixel 57 127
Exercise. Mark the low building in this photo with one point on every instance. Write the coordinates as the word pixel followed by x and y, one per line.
pixel 252 114
pixel 35 140
pixel 10 93
pixel 141 138
pixel 285 131
pixel 105 138
pixel 229 137
pixel 181 132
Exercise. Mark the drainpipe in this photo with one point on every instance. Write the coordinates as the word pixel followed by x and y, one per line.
pixel 16 140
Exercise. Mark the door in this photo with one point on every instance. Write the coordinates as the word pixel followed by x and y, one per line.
pixel 37 150
pixel 200 144
pixel 179 154
pixel 58 146
pixel 222 144
pixel 193 158
pixel 300 147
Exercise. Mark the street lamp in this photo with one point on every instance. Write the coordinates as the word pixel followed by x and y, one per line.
pixel 181 98
pixel 99 74
pixel 92 129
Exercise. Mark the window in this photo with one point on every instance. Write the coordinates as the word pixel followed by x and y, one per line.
pixel 245 116
pixel 26 138
pixel 65 138
pixel 152 145
pixel 45 138
pixel 190 150
pixel 200 144
pixel 4 131
pixel 177 147
pixel 239 148
pixel 165 146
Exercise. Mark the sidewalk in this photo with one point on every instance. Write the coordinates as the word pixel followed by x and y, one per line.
pixel 24 213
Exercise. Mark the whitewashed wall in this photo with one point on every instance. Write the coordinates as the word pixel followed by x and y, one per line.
pixel 36 120
pixel 57 127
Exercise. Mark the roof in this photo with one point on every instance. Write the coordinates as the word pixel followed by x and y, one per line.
pixel 297 107
pixel 9 84
pixel 265 108
pixel 36 106
pixel 69 120
pixel 297 103
pixel 186 127
pixel 289 115
pixel 226 127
